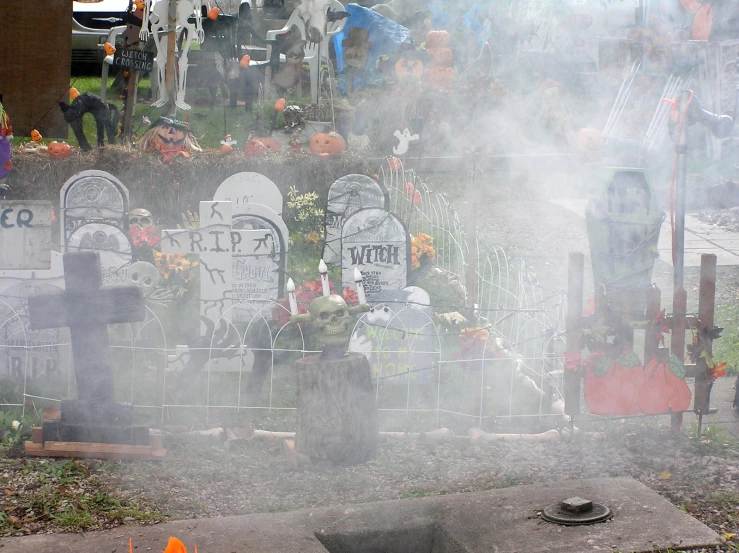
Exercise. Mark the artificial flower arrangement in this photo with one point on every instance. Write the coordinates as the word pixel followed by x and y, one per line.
pixel 421 250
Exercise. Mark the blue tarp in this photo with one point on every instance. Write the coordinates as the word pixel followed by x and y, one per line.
pixel 385 35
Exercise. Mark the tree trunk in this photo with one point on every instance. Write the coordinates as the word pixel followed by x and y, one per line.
pixel 337 412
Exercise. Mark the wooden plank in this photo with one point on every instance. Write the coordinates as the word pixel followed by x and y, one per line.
pixel 37 450
pixel 706 301
pixel 99 448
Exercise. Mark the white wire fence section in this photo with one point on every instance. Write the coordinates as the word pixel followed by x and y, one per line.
pixel 500 362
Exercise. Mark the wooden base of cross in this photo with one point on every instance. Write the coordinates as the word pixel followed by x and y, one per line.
pixel 613 369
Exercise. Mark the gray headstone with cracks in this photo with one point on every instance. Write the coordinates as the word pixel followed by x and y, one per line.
pixel 378 243
pixel 346 196
pixel 246 189
pixel 25 234
pixel 113 245
pixel 87 309
pixel 92 197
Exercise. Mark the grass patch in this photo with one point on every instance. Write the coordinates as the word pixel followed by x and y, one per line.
pixel 726 348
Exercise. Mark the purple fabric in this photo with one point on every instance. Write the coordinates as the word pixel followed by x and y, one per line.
pixel 4 156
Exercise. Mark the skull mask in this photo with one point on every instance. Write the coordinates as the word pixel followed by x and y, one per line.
pixel 144 275
pixel 141 218
pixel 333 319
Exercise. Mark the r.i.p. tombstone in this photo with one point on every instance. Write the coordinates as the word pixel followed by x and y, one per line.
pixel 376 242
pixel 87 309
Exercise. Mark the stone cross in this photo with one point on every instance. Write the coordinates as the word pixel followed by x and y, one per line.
pixel 215 242
pixel 87 309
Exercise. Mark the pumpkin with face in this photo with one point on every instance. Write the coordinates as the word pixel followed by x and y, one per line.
pixel 356 48
pixel 442 77
pixel 60 150
pixel 169 137
pixel 327 144
pixel 437 39
pixel 441 57
pixel 409 69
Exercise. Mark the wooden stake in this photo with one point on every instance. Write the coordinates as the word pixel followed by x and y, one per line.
pixel 130 104
pixel 169 74
pixel 573 327
pixel 706 303
pixel 677 338
pixel 651 340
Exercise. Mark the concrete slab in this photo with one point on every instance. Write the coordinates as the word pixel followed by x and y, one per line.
pixel 699 238
pixel 501 521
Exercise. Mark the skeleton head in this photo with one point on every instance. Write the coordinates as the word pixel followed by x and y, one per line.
pixel 141 218
pixel 144 275
pixel 333 319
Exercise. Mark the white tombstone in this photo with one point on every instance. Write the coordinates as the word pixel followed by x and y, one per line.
pixel 246 189
pixel 113 245
pixel 376 242
pixel 260 273
pixel 92 196
pixel 25 234
pixel 216 243
pixel 346 196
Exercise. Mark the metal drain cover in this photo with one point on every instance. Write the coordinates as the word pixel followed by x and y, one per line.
pixel 575 511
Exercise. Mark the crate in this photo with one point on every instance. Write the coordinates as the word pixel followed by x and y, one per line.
pixel 623 224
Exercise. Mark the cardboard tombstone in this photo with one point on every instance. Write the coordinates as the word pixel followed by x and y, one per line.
pixel 245 189
pixel 92 197
pixel 346 196
pixel 114 246
pixel 25 234
pixel 377 243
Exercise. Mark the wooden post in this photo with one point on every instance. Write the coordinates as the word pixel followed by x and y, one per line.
pixel 706 302
pixel 169 74
pixel 677 339
pixel 651 342
pixel 130 104
pixel 573 328
pixel 472 237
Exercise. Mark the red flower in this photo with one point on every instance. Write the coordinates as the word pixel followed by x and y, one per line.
pixel 304 295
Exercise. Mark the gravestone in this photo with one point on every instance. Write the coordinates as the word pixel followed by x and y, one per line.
pixel 216 243
pixel 376 242
pixel 92 196
pixel 25 234
pixel 87 309
pixel 398 335
pixel 346 196
pixel 113 245
pixel 259 274
pixel 246 189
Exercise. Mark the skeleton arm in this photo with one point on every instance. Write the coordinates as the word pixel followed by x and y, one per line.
pixel 199 24
pixel 144 33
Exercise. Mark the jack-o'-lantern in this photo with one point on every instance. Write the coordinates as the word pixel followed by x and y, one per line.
pixel 109 49
pixel 409 69
pixel 244 61
pixel 59 149
pixel 213 14
pixel 261 146
pixel 36 136
pixel 441 56
pixel 170 138
pixel 437 39
pixel 439 76
pixel 327 144
pixel 73 93
pixel 589 144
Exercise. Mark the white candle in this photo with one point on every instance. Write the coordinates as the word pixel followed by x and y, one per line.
pixel 360 286
pixel 291 297
pixel 324 278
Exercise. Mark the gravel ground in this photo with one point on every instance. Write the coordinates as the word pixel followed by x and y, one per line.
pixel 727 219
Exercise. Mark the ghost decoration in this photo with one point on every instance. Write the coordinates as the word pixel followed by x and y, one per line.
pixel 404 140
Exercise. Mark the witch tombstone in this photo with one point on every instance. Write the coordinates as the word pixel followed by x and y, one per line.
pixel 346 196
pixel 378 243
pixel 87 309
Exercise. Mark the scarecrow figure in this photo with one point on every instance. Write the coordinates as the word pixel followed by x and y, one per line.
pixel 171 138
pixel 6 134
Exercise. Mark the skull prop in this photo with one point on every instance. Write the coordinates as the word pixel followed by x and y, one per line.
pixel 141 218
pixel 143 275
pixel 333 319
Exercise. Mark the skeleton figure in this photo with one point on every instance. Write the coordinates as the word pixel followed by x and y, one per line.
pixel 333 319
pixel 158 15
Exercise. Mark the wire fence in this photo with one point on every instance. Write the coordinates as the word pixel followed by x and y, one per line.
pixel 432 364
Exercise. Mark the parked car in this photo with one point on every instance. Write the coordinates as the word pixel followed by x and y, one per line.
pixel 93 21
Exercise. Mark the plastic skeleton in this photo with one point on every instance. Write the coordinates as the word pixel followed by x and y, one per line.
pixel 158 16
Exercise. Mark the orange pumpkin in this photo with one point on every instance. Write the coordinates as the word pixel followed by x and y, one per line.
pixel 36 136
pixel 213 14
pixel 439 76
pixel 409 69
pixel 441 56
pixel 226 148
pixel 261 146
pixel 702 23
pixel 60 149
pixel 327 144
pixel 589 144
pixel 109 49
pixel 280 105
pixel 437 39
pixel 395 164
pixel 244 61
pixel 73 93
